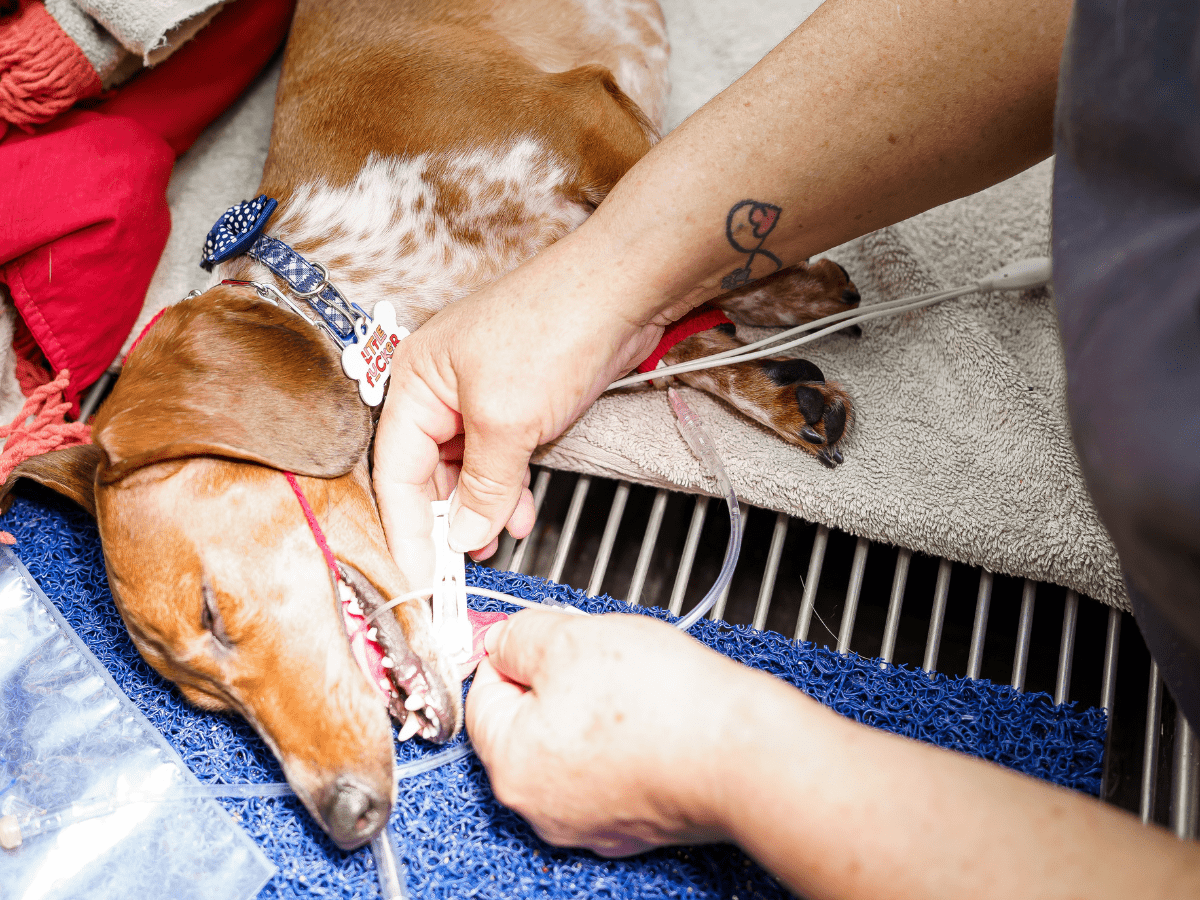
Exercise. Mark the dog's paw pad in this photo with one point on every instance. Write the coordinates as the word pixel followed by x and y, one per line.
pixel 805 409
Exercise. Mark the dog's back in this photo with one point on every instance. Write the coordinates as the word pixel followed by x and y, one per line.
pixel 420 150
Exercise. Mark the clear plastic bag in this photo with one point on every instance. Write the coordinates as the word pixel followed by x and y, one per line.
pixel 70 740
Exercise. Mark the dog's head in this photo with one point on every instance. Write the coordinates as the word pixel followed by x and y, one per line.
pixel 215 570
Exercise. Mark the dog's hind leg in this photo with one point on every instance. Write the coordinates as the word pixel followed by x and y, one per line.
pixel 789 396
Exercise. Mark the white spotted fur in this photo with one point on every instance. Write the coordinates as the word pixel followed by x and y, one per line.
pixel 365 225
pixel 360 229
pixel 639 67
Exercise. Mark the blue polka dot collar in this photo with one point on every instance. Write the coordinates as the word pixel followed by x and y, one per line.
pixel 367 343
pixel 241 230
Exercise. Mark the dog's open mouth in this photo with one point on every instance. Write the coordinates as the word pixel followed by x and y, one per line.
pixel 412 688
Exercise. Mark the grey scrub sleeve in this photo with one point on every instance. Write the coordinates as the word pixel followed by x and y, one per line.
pixel 1126 246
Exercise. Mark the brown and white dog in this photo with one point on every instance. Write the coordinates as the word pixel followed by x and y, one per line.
pixel 419 152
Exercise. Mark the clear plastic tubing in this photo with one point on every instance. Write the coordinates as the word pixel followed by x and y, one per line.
pixel 702 446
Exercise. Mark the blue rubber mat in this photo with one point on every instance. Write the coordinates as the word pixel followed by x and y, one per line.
pixel 456 841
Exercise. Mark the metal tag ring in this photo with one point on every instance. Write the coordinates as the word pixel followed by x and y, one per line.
pixel 308 295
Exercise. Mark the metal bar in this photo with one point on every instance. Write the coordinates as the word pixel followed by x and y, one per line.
pixel 1112 645
pixel 891 627
pixel 853 589
pixel 508 546
pixel 1150 745
pixel 815 560
pixel 937 616
pixel 689 555
pixel 649 540
pixel 578 497
pixel 1185 781
pixel 1066 648
pixel 767 589
pixel 983 603
pixel 96 392
pixel 1024 630
pixel 609 540
pixel 540 484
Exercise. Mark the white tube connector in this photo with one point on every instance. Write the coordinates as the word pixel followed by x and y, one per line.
pixel 450 622
pixel 1018 276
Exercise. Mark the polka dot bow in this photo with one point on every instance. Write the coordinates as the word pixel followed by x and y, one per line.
pixel 237 230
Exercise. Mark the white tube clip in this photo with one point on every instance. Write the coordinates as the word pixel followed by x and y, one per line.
pixel 1018 276
pixel 450 622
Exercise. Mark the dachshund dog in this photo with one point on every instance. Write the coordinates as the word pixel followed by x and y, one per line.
pixel 419 151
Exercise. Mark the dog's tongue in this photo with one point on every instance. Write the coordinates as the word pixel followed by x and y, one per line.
pixel 370 653
pixel 480 623
pixel 363 643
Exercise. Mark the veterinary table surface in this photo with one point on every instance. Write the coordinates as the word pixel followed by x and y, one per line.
pixel 455 840
pixel 662 548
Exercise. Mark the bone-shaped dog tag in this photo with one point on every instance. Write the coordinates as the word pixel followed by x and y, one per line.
pixel 369 359
pixel 450 621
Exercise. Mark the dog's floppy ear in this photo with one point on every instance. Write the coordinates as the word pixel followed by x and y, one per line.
pixel 228 374
pixel 70 471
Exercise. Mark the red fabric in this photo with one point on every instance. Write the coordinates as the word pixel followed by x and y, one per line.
pixel 83 221
pixel 42 71
pixel 699 319
pixel 31 368
pixel 40 427
pixel 83 213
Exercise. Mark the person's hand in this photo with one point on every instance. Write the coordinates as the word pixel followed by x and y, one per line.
pixel 508 368
pixel 611 732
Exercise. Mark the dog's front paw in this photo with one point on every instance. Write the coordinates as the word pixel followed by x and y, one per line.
pixel 789 396
pixel 804 408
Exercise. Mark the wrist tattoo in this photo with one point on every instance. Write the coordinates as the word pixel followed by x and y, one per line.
pixel 747 227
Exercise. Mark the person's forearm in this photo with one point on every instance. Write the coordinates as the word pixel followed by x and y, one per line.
pixel 837 809
pixel 870 112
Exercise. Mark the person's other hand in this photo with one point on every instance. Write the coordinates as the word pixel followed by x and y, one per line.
pixel 509 368
pixel 610 732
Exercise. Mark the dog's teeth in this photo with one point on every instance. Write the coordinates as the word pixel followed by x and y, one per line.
pixel 414 702
pixel 429 732
pixel 385 685
pixel 354 607
pixel 386 662
pixel 345 592
pixel 410 726
pixel 408 673
pixel 373 634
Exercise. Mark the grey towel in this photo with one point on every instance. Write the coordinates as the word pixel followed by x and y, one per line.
pixel 960 447
pixel 120 36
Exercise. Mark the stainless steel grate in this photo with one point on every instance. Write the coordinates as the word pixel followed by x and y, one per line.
pixel 657 547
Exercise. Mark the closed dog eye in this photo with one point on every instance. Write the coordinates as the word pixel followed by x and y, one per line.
pixel 210 616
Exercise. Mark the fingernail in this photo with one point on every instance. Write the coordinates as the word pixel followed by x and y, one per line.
pixel 491 637
pixel 468 530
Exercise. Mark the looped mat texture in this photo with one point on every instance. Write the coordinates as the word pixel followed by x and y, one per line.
pixel 960 446
pixel 455 840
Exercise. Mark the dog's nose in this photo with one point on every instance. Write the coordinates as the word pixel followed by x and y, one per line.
pixel 353 813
